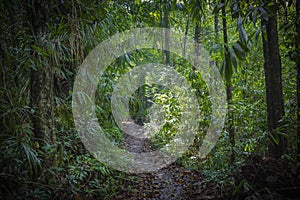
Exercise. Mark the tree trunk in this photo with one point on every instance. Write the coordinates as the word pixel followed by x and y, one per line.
pixel 274 95
pixel 185 35
pixel 228 92
pixel 167 36
pixel 42 102
pixel 230 120
pixel 297 42
pixel 217 29
pixel 197 37
pixel 42 97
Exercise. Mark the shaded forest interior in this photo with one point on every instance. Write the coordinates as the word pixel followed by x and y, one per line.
pixel 254 47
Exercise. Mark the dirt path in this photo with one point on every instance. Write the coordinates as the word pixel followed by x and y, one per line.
pixel 170 183
pixel 175 182
pixel 135 142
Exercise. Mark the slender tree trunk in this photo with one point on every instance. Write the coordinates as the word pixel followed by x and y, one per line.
pixel 42 97
pixel 197 36
pixel 161 23
pixel 216 26
pixel 229 93
pixel 217 29
pixel 167 36
pixel 298 73
pixel 185 34
pixel 230 120
pixel 274 95
pixel 225 37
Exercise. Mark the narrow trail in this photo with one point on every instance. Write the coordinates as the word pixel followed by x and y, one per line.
pixel 135 142
pixel 170 183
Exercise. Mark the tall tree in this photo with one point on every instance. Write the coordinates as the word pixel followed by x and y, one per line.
pixel 42 97
pixel 196 12
pixel 273 80
pixel 297 42
pixel 197 36
pixel 185 34
pixel 227 64
pixel 166 24
pixel 216 28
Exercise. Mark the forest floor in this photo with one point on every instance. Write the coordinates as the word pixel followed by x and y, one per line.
pixel 258 179
pixel 171 182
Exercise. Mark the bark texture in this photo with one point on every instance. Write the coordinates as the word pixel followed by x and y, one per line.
pixel 297 42
pixel 273 80
pixel 42 97
pixel 230 118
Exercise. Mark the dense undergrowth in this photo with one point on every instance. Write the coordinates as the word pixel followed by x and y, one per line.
pixel 25 172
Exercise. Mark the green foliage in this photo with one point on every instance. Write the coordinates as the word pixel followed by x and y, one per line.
pixel 74 31
pixel 171 116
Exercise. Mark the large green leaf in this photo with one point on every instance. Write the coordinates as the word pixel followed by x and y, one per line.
pixel 40 51
pixel 239 52
pixel 233 60
pixel 226 67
